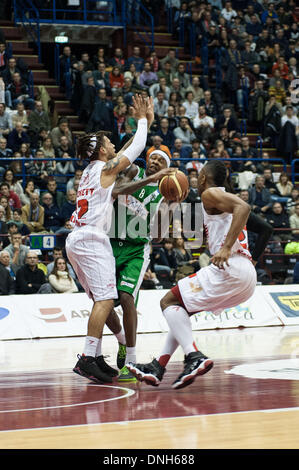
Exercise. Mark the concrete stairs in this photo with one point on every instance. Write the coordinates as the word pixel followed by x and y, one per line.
pixel 21 48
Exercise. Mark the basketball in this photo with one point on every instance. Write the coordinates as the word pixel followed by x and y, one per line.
pixel 173 187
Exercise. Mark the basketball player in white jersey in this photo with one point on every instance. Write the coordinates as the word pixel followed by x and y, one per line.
pixel 229 280
pixel 87 246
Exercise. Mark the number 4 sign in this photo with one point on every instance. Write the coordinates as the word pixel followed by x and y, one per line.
pixel 42 242
pixel 48 242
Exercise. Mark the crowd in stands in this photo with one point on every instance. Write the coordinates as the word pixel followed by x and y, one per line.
pixel 258 43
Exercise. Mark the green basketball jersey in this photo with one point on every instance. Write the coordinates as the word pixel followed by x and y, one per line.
pixel 134 213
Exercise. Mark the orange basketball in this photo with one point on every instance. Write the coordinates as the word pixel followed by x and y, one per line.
pixel 174 186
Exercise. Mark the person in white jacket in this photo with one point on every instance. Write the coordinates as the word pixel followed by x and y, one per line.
pixel 60 279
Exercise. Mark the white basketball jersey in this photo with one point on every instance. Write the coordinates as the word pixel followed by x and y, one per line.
pixel 216 228
pixel 94 203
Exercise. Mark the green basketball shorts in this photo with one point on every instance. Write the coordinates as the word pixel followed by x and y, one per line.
pixel 131 264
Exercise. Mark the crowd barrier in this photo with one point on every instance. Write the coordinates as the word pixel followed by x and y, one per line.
pixel 66 315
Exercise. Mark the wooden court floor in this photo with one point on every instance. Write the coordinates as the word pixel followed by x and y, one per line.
pixel 249 400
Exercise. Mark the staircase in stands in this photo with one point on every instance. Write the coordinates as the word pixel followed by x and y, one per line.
pixel 21 48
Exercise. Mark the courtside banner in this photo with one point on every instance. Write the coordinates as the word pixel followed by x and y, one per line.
pixel 284 301
pixel 62 315
pixel 12 322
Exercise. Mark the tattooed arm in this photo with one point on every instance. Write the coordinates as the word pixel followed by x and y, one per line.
pixel 126 157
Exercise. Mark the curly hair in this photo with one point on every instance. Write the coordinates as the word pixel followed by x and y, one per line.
pixel 88 145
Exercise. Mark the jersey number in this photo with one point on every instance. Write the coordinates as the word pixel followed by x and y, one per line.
pixel 83 207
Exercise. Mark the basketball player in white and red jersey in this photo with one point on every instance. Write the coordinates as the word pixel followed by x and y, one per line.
pixel 229 280
pixel 87 246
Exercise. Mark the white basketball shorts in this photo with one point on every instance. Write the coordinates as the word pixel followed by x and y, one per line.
pixel 91 256
pixel 212 289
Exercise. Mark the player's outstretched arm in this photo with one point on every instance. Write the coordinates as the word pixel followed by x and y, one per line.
pixel 126 157
pixel 150 116
pixel 125 185
pixel 215 198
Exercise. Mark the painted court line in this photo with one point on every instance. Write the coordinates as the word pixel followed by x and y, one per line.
pixel 121 423
pixel 129 392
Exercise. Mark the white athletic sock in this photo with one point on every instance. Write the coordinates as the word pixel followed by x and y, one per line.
pixel 180 326
pixel 91 344
pixel 99 348
pixel 130 354
pixel 169 348
pixel 121 337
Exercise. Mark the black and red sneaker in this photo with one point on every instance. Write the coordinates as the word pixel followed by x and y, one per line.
pixel 195 364
pixel 88 367
pixel 151 373
pixel 100 360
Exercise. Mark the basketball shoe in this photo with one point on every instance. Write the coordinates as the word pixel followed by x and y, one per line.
pixel 88 367
pixel 195 364
pixel 126 376
pixel 151 373
pixel 121 355
pixel 105 367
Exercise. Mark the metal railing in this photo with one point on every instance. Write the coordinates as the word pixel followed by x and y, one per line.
pixel 233 160
pixel 141 161
pixel 137 16
pixel 26 13
pixel 24 175
pixel 89 12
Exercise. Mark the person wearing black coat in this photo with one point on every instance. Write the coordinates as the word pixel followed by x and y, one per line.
pixel 164 258
pixel 29 278
pixel 88 100
pixel 6 282
pixel 102 115
pixel 279 219
pixel 53 220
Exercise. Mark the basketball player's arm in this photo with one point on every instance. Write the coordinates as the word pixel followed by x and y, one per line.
pixel 125 185
pixel 216 199
pixel 126 157
pixel 127 144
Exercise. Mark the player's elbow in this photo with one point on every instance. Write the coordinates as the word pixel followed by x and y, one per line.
pixel 248 208
pixel 245 208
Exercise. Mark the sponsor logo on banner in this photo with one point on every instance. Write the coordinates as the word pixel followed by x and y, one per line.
pixel 4 312
pixel 51 315
pixel 288 302
pixel 56 315
pixel 239 312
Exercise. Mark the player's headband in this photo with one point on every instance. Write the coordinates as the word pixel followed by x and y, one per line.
pixel 92 145
pixel 162 154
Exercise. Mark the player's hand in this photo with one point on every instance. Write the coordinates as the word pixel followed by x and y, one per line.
pixel 221 257
pixel 160 174
pixel 150 115
pixel 140 106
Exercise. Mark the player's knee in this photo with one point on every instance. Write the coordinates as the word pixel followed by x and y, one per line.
pixel 126 300
pixel 166 301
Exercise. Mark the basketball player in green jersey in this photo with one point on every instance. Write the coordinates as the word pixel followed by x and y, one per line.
pixel 131 247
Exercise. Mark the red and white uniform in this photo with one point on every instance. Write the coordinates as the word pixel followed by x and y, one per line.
pixel 212 289
pixel 88 247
